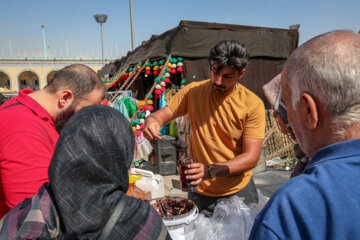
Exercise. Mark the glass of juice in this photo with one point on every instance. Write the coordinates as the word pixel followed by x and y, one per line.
pixel 186 185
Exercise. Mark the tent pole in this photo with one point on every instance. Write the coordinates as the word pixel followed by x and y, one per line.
pixel 139 110
pixel 126 81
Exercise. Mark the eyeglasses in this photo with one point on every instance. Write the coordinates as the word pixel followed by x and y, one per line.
pixel 280 112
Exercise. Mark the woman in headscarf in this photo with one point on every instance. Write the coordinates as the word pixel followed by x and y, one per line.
pixel 88 178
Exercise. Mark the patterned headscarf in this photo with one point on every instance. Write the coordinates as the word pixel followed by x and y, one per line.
pixel 88 180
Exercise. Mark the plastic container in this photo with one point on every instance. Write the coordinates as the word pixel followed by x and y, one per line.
pixel 176 224
pixel 150 182
pixel 133 190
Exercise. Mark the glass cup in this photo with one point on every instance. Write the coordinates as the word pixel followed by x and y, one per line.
pixel 186 185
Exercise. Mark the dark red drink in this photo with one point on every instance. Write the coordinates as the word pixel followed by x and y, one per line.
pixel 186 185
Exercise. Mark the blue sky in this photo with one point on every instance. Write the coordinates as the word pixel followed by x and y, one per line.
pixel 71 23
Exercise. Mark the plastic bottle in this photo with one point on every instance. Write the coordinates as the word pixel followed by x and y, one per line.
pixel 133 190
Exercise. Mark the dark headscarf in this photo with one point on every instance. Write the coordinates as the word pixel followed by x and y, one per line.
pixel 89 177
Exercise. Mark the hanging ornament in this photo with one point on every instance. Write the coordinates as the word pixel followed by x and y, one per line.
pixel 179 67
pixel 145 107
pixel 167 75
pixel 182 83
pixel 140 103
pixel 163 89
pixel 139 66
pixel 157 93
pixel 167 80
pixel 157 86
pixel 162 83
pixel 148 70
pixel 141 115
pixel 173 70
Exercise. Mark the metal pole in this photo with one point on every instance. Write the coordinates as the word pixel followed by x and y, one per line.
pixel 132 26
pixel 10 48
pixel 44 41
pixel 102 45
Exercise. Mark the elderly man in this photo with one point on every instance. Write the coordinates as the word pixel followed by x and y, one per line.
pixel 320 87
pixel 28 129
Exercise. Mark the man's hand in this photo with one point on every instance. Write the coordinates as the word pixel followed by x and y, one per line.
pixel 154 121
pixel 152 129
pixel 197 172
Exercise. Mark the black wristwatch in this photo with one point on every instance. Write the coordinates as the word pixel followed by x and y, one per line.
pixel 211 171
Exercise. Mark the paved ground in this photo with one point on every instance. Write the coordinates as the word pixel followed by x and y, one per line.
pixel 268 182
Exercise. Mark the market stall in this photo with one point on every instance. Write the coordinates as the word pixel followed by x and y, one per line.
pixel 160 66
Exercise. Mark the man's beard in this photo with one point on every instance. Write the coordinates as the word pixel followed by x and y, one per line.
pixel 221 89
pixel 63 117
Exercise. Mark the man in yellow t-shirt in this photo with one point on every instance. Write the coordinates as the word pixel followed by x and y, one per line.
pixel 227 128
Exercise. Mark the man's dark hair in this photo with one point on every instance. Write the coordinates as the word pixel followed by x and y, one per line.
pixel 2 99
pixel 230 53
pixel 78 78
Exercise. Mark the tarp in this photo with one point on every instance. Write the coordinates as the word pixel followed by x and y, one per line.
pixel 268 48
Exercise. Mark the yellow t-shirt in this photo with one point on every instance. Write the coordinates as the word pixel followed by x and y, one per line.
pixel 218 125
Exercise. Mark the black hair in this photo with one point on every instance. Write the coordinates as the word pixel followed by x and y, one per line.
pixel 78 78
pixel 2 99
pixel 230 53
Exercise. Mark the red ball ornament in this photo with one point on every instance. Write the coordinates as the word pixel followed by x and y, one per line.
pixel 158 91
pixel 173 70
pixel 156 72
pixel 167 80
pixel 141 126
pixel 151 108
pixel 157 95
pixel 138 133
pixel 163 89
pixel 179 69
pixel 148 72
pixel 145 107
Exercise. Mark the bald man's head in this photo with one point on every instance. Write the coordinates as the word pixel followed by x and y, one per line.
pixel 78 78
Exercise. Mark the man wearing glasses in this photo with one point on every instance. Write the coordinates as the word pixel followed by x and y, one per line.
pixel 227 128
pixel 272 91
pixel 320 85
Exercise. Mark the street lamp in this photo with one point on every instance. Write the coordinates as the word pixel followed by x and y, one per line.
pixel 132 26
pixel 44 41
pixel 101 18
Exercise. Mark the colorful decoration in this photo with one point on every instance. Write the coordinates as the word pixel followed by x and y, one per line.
pixel 182 83
pixel 179 67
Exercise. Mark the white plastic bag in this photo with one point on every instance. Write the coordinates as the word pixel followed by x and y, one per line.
pixel 232 219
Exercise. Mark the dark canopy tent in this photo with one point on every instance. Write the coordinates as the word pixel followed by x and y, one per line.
pixel 269 48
